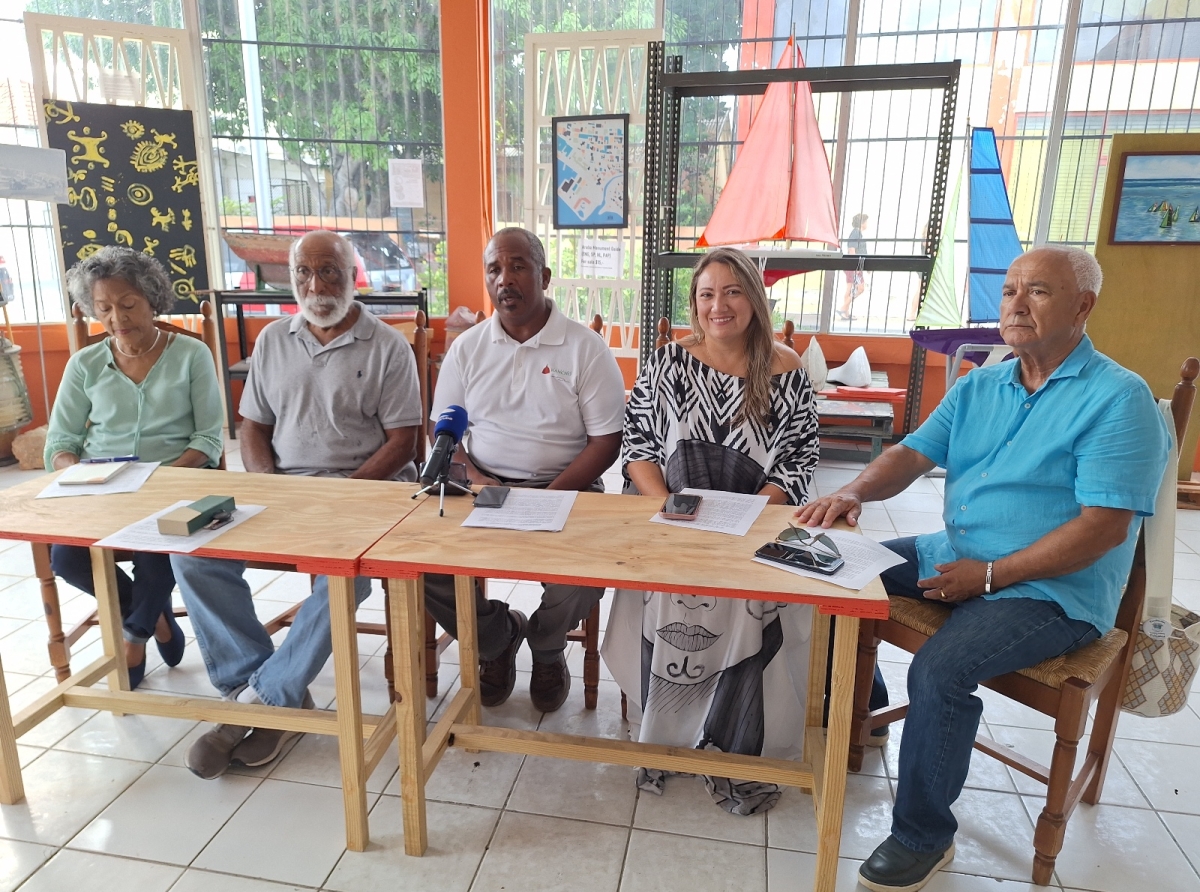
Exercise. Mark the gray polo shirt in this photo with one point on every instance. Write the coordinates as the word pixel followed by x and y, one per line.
pixel 330 404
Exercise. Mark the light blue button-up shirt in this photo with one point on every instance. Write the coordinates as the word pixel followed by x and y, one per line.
pixel 1019 465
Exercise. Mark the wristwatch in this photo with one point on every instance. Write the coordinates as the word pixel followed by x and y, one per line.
pixel 987 583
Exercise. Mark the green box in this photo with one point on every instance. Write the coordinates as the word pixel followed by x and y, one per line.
pixel 186 520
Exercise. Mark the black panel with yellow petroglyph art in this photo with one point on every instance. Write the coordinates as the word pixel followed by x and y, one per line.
pixel 132 179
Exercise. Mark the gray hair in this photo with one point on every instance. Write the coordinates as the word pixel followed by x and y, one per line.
pixel 141 271
pixel 537 252
pixel 1088 275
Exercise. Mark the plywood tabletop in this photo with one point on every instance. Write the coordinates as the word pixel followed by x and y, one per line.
pixel 609 540
pixel 318 524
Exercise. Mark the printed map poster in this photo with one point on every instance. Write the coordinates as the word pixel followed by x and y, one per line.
pixel 591 172
pixel 133 180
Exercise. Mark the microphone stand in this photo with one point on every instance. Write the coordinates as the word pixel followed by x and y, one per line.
pixel 440 485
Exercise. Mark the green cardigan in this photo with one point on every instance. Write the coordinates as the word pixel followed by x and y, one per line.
pixel 100 413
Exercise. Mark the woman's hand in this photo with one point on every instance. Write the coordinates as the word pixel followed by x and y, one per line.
pixel 647 478
pixel 191 458
pixel 825 510
pixel 62 460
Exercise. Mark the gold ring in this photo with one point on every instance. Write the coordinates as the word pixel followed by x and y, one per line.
pixel 943 596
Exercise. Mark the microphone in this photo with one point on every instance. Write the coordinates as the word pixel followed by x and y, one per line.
pixel 447 434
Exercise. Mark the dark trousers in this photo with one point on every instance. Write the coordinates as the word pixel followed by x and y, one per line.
pixel 143 599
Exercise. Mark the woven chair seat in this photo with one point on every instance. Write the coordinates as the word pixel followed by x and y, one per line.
pixel 1085 664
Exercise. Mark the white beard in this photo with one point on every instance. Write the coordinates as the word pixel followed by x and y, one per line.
pixel 324 311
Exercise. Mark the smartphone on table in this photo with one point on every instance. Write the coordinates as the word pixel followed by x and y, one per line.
pixel 679 506
pixel 804 558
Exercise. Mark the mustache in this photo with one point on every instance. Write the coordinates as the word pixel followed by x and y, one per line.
pixel 504 293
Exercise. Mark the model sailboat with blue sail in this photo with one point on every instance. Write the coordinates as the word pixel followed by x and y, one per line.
pixel 992 245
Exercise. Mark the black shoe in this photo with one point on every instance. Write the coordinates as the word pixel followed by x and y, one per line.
pixel 893 867
pixel 497 677
pixel 171 651
pixel 550 684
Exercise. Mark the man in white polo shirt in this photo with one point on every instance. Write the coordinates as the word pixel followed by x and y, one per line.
pixel 545 402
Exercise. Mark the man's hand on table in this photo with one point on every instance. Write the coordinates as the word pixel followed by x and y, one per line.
pixel 957 581
pixel 825 510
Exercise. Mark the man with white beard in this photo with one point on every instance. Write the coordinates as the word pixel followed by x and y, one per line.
pixel 332 392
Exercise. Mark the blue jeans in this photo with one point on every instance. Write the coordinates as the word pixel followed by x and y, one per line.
pixel 980 640
pixel 237 649
pixel 143 599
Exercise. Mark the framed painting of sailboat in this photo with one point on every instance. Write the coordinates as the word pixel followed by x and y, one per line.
pixel 591 171
pixel 1158 199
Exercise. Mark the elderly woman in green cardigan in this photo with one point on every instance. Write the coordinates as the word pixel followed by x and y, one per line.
pixel 141 391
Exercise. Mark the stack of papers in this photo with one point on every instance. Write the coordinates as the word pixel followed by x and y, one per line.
pixel 131 480
pixel 721 512
pixel 526 509
pixel 865 559
pixel 144 535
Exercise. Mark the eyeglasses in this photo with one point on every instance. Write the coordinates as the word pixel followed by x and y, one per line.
pixel 330 275
pixel 822 549
pixel 219 520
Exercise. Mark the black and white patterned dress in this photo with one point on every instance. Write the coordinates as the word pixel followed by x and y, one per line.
pixel 715 673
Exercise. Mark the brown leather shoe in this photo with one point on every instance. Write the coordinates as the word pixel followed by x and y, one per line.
pixel 550 684
pixel 498 677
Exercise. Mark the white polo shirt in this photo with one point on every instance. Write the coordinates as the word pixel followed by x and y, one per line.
pixel 531 406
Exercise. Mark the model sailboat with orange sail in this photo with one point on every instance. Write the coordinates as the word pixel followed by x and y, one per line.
pixel 779 188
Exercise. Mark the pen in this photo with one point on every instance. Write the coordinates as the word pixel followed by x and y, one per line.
pixel 101 461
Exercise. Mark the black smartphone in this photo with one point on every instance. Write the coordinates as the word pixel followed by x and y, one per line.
pixel 491 496
pixel 779 553
pixel 680 507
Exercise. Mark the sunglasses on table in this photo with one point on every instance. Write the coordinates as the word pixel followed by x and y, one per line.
pixel 798 547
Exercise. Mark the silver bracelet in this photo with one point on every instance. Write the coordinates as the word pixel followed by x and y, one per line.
pixel 987 583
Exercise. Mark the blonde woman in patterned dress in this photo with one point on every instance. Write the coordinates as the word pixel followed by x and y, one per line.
pixel 727 408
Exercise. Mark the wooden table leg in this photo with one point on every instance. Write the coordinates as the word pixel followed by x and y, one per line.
pixel 468 643
pixel 108 611
pixel 12 789
pixel 407 605
pixel 837 743
pixel 349 710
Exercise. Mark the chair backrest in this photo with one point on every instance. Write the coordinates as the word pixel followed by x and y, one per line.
pixel 1129 613
pixel 664 332
pixel 82 334
pixel 418 339
pixel 597 324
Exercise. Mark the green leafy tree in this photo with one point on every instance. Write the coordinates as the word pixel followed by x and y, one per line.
pixel 346 86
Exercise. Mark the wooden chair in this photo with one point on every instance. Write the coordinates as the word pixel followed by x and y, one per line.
pixel 1063 687
pixel 588 633
pixel 60 642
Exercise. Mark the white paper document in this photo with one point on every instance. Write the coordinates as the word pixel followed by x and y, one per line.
pixel 721 512
pixel 865 559
pixel 129 480
pixel 526 509
pixel 144 535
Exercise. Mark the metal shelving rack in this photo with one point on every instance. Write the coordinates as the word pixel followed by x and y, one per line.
pixel 665 92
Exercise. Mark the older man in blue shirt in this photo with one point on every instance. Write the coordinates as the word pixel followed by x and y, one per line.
pixel 1048 458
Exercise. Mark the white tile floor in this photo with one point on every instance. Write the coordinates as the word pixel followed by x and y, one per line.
pixel 109 805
